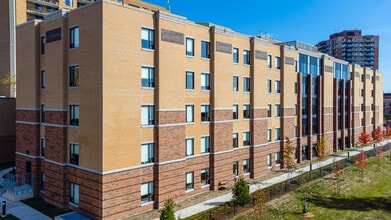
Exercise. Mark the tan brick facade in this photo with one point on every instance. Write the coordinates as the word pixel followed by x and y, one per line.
pixel 113 127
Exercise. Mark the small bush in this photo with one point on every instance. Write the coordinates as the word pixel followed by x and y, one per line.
pixel 167 212
pixel 241 192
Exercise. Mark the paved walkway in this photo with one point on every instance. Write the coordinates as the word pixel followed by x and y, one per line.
pixel 203 206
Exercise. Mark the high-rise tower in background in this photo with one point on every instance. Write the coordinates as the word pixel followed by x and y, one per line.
pixel 351 46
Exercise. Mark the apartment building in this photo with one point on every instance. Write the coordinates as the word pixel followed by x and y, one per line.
pixel 116 117
pixel 387 107
pixel 14 12
pixel 353 47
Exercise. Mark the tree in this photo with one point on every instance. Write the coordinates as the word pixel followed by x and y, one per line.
pixel 288 157
pixel 337 171
pixel 9 81
pixel 241 192
pixel 362 163
pixel 167 212
pixel 260 201
pixel 364 138
pixel 387 134
pixel 378 135
pixel 321 148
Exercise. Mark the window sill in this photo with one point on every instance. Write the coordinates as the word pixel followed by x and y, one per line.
pixel 205 58
pixel 246 174
pixel 147 50
pixel 73 126
pixel 147 203
pixel 189 190
pixel 148 88
pixel 73 87
pixel 147 126
pixel 205 186
pixel 205 122
pixel 190 56
pixel 74 48
pixel 189 123
pixel 246 92
pixel 269 167
pixel 74 204
pixel 245 64
pixel 205 90
pixel 190 90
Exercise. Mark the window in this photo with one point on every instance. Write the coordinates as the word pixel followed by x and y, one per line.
pixel 278 86
pixel 205 83
pixel 362 92
pixel 38 7
pixel 146 192
pixel 235 140
pixel 43 79
pixel 278 137
pixel 189 146
pixel 246 138
pixel 189 113
pixel 205 113
pixel 205 49
pixel 49 9
pixel 235 167
pixel 189 181
pixel 74 115
pixel 147 115
pixel 43 147
pixel 205 179
pixel 269 86
pixel 295 109
pixel 269 110
pixel 235 83
pixel 269 160
pixel 278 63
pixel 296 88
pixel 147 153
pixel 147 77
pixel 68 3
pixel 189 80
pixel 296 67
pixel 246 57
pixel 235 112
pixel 42 112
pixel 277 158
pixel 295 131
pixel 189 47
pixel 235 55
pixel 246 166
pixel 269 135
pixel 147 38
pixel 246 111
pixel 278 110
pixel 42 186
pixel 205 146
pixel 74 76
pixel 43 42
pixel 74 37
pixel 74 193
pixel 246 84
pixel 269 61
pixel 74 154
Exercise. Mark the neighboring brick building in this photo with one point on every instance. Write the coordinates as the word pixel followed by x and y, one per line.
pixel 387 107
pixel 7 129
pixel 351 46
pixel 120 108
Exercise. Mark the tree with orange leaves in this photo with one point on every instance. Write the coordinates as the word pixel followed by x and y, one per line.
pixel 387 134
pixel 362 163
pixel 378 135
pixel 364 138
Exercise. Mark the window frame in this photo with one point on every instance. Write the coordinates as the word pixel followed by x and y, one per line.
pixel 205 49
pixel 189 53
pixel 269 160
pixel 246 84
pixel 147 77
pixel 74 76
pixel 206 173
pixel 189 82
pixel 43 79
pixel 269 110
pixel 147 43
pixel 74 153
pixel 189 113
pixel 277 110
pixel 269 135
pixel 235 56
pixel 43 45
pixel 74 37
pixel 269 61
pixel 277 134
pixel 246 138
pixel 205 82
pixel 277 158
pixel 278 86
pixel 42 146
pixel 235 140
pixel 278 63
pixel 246 166
pixel 74 191
pixel 235 83
pixel 43 110
pixel 189 149
pixel 205 145
pixel 246 57
pixel 74 115
pixel 246 111
pixel 189 181
pixel 147 153
pixel 149 119
pixel 205 113
pixel 269 86
pixel 149 194
pixel 235 112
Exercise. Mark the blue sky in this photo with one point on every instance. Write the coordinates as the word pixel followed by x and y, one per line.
pixel 309 21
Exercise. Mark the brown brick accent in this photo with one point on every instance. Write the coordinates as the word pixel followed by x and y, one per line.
pixel 221 115
pixel 56 117
pixel 259 113
pixel 171 117
pixel 56 144
pixel 27 139
pixel 171 144
pixel 28 115
pixel 259 132
pixel 56 185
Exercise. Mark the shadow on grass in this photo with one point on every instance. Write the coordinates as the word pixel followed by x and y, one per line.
pixel 353 203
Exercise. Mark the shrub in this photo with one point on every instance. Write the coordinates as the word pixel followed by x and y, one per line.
pixel 167 212
pixel 241 192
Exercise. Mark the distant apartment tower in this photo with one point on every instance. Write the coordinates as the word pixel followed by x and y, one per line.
pixel 387 107
pixel 116 114
pixel 14 12
pixel 351 46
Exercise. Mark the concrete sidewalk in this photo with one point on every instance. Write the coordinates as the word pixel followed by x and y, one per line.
pixel 203 206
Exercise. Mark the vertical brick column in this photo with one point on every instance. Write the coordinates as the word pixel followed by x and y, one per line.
pixel 258 156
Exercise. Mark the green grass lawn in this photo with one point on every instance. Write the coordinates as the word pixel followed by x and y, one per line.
pixel 367 199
